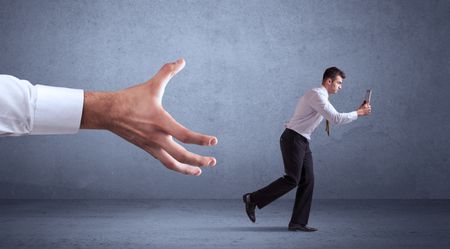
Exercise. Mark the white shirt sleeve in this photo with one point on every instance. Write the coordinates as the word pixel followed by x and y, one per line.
pixel 27 109
pixel 322 105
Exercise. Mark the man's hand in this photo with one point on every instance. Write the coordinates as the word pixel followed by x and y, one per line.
pixel 364 109
pixel 137 115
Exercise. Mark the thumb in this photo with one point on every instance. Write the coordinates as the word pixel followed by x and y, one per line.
pixel 163 76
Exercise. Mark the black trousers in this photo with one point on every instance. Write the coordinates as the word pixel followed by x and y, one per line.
pixel 298 167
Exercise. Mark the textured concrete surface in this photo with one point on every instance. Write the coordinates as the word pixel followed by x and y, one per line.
pixel 221 224
pixel 247 64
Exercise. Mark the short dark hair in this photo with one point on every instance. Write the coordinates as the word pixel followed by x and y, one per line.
pixel 332 73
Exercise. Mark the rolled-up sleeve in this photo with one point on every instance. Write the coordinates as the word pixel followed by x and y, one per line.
pixel 28 109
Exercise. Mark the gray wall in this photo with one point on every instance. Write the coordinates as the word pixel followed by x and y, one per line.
pixel 247 64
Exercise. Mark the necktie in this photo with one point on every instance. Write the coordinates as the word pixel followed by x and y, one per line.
pixel 327 127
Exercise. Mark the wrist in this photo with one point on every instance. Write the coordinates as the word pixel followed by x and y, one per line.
pixel 359 112
pixel 97 110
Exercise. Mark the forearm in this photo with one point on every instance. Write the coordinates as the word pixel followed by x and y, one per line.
pixel 97 110
pixel 335 117
pixel 322 105
pixel 342 118
pixel 38 109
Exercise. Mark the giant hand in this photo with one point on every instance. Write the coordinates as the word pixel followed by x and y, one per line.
pixel 137 115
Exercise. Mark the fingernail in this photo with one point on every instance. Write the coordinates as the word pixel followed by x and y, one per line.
pixel 198 172
pixel 213 141
pixel 212 162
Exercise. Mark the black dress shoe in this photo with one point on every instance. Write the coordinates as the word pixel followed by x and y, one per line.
pixel 249 207
pixel 300 227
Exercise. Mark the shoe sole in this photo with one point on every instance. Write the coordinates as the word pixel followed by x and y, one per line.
pixel 301 230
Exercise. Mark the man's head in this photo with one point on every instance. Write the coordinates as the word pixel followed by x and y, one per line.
pixel 332 79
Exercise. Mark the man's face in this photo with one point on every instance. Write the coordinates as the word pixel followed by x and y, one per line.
pixel 335 85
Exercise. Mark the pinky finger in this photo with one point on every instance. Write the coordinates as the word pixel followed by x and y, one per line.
pixel 169 162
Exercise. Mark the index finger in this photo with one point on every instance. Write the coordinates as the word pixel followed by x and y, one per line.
pixel 185 135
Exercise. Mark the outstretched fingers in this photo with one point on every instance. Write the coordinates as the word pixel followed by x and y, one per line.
pixel 185 135
pixel 184 156
pixel 169 162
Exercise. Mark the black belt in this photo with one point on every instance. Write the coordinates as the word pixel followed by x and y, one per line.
pixel 297 135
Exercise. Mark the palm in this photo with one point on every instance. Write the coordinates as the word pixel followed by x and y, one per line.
pixel 150 127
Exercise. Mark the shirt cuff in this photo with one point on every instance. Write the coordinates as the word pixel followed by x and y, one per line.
pixel 354 115
pixel 58 110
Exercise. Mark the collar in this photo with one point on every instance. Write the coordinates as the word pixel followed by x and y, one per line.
pixel 324 90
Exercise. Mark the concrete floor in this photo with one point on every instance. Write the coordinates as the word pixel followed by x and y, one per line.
pixel 221 224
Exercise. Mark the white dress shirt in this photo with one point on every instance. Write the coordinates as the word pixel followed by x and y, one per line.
pixel 28 109
pixel 312 108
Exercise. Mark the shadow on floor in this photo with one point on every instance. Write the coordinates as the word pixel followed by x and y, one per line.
pixel 246 229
